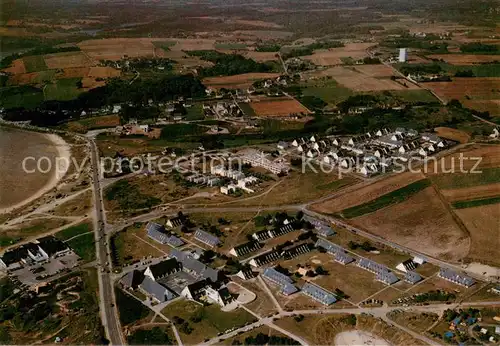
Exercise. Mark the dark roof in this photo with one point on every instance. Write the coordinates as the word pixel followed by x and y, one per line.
pixel 267 257
pixel 248 247
pixel 161 293
pixel 197 287
pixel 15 255
pixel 165 267
pixel 132 279
pixel 193 265
pixel 225 295
pixel 51 245
pixel 206 238
pixel 298 250
pixel 409 264
pixel 262 235
pixel 281 230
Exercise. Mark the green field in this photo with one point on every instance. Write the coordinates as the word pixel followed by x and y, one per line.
pixel 483 70
pixel 476 202
pixel 63 89
pixel 393 197
pixel 34 63
pixel 230 46
pixel 130 309
pixel 205 321
pixel 45 76
pixel 327 90
pixel 195 112
pixel 70 232
pixel 21 96
pixel 413 96
pixel 460 180
pixel 84 246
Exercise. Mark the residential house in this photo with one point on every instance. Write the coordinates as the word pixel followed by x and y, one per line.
pixel 455 277
pixel 206 238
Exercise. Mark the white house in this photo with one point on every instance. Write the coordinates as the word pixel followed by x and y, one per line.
pixel 228 189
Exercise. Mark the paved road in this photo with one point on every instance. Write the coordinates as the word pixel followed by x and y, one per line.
pixel 109 314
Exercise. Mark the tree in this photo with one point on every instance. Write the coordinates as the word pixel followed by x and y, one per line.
pixel 321 271
pixel 300 215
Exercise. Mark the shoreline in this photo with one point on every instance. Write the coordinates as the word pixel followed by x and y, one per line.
pixel 63 151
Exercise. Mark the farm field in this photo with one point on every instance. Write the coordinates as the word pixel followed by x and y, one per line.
pixel 422 222
pixel 261 56
pixel 489 158
pixel 62 89
pixel 466 180
pixel 465 59
pixel 377 70
pixel 492 106
pixel 366 193
pixel 116 48
pixel 84 125
pixel 67 60
pixel 470 193
pixel 327 89
pixel 476 202
pixel 453 134
pixel 350 78
pixel 278 107
pixel 21 96
pixel 240 81
pixel 34 63
pixel 333 56
pixel 17 67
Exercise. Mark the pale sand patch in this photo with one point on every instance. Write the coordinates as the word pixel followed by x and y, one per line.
pixel 358 337
pixel 64 154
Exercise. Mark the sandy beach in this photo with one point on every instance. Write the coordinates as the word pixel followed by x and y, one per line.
pixel 63 153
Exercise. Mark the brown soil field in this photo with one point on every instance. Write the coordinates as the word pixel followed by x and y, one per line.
pixel 353 197
pixel 262 34
pixel 483 224
pixel 90 83
pixel 187 44
pixel 421 223
pixel 67 60
pixel 358 81
pixel 459 88
pixel 261 56
pixel 379 70
pixel 490 155
pixel 332 56
pixel 475 192
pixel 25 78
pixel 237 81
pixel 278 108
pixel 453 134
pixel 74 72
pixel 17 67
pixel 257 23
pixel 116 48
pixel 465 59
pixel 492 106
pixel 103 72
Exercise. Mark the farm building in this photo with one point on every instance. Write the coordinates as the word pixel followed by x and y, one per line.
pixel 455 277
pixel 246 248
pixel 281 280
pixel 265 258
pixel 412 277
pixel 319 294
pixel 206 238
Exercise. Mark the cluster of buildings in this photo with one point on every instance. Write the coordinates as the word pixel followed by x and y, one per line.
pixel 456 277
pixel 181 275
pixel 240 180
pixel 223 109
pixel 286 286
pixel 40 251
pixel 257 158
pixel 371 153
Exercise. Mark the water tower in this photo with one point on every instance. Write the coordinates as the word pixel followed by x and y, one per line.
pixel 403 54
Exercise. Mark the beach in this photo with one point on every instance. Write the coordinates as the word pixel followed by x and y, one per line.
pixel 20 186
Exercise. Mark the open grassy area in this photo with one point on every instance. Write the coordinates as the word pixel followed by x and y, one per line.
pixel 393 197
pixel 418 322
pixel 414 96
pixel 63 89
pixel 126 248
pixel 84 246
pixel 475 203
pixel 195 112
pixel 460 180
pixel 22 96
pixel 130 309
pixel 70 232
pixel 204 322
pixel 328 90
pixel 34 63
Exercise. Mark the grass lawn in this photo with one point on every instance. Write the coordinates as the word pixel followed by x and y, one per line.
pixel 84 246
pixel 476 202
pixel 127 249
pixel 130 309
pixel 195 113
pixel 328 90
pixel 230 46
pixel 70 232
pixel 460 180
pixel 34 63
pixel 210 319
pixel 393 197
pixel 63 90
pixel 27 97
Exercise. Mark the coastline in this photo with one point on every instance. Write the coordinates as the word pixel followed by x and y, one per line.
pixel 63 151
